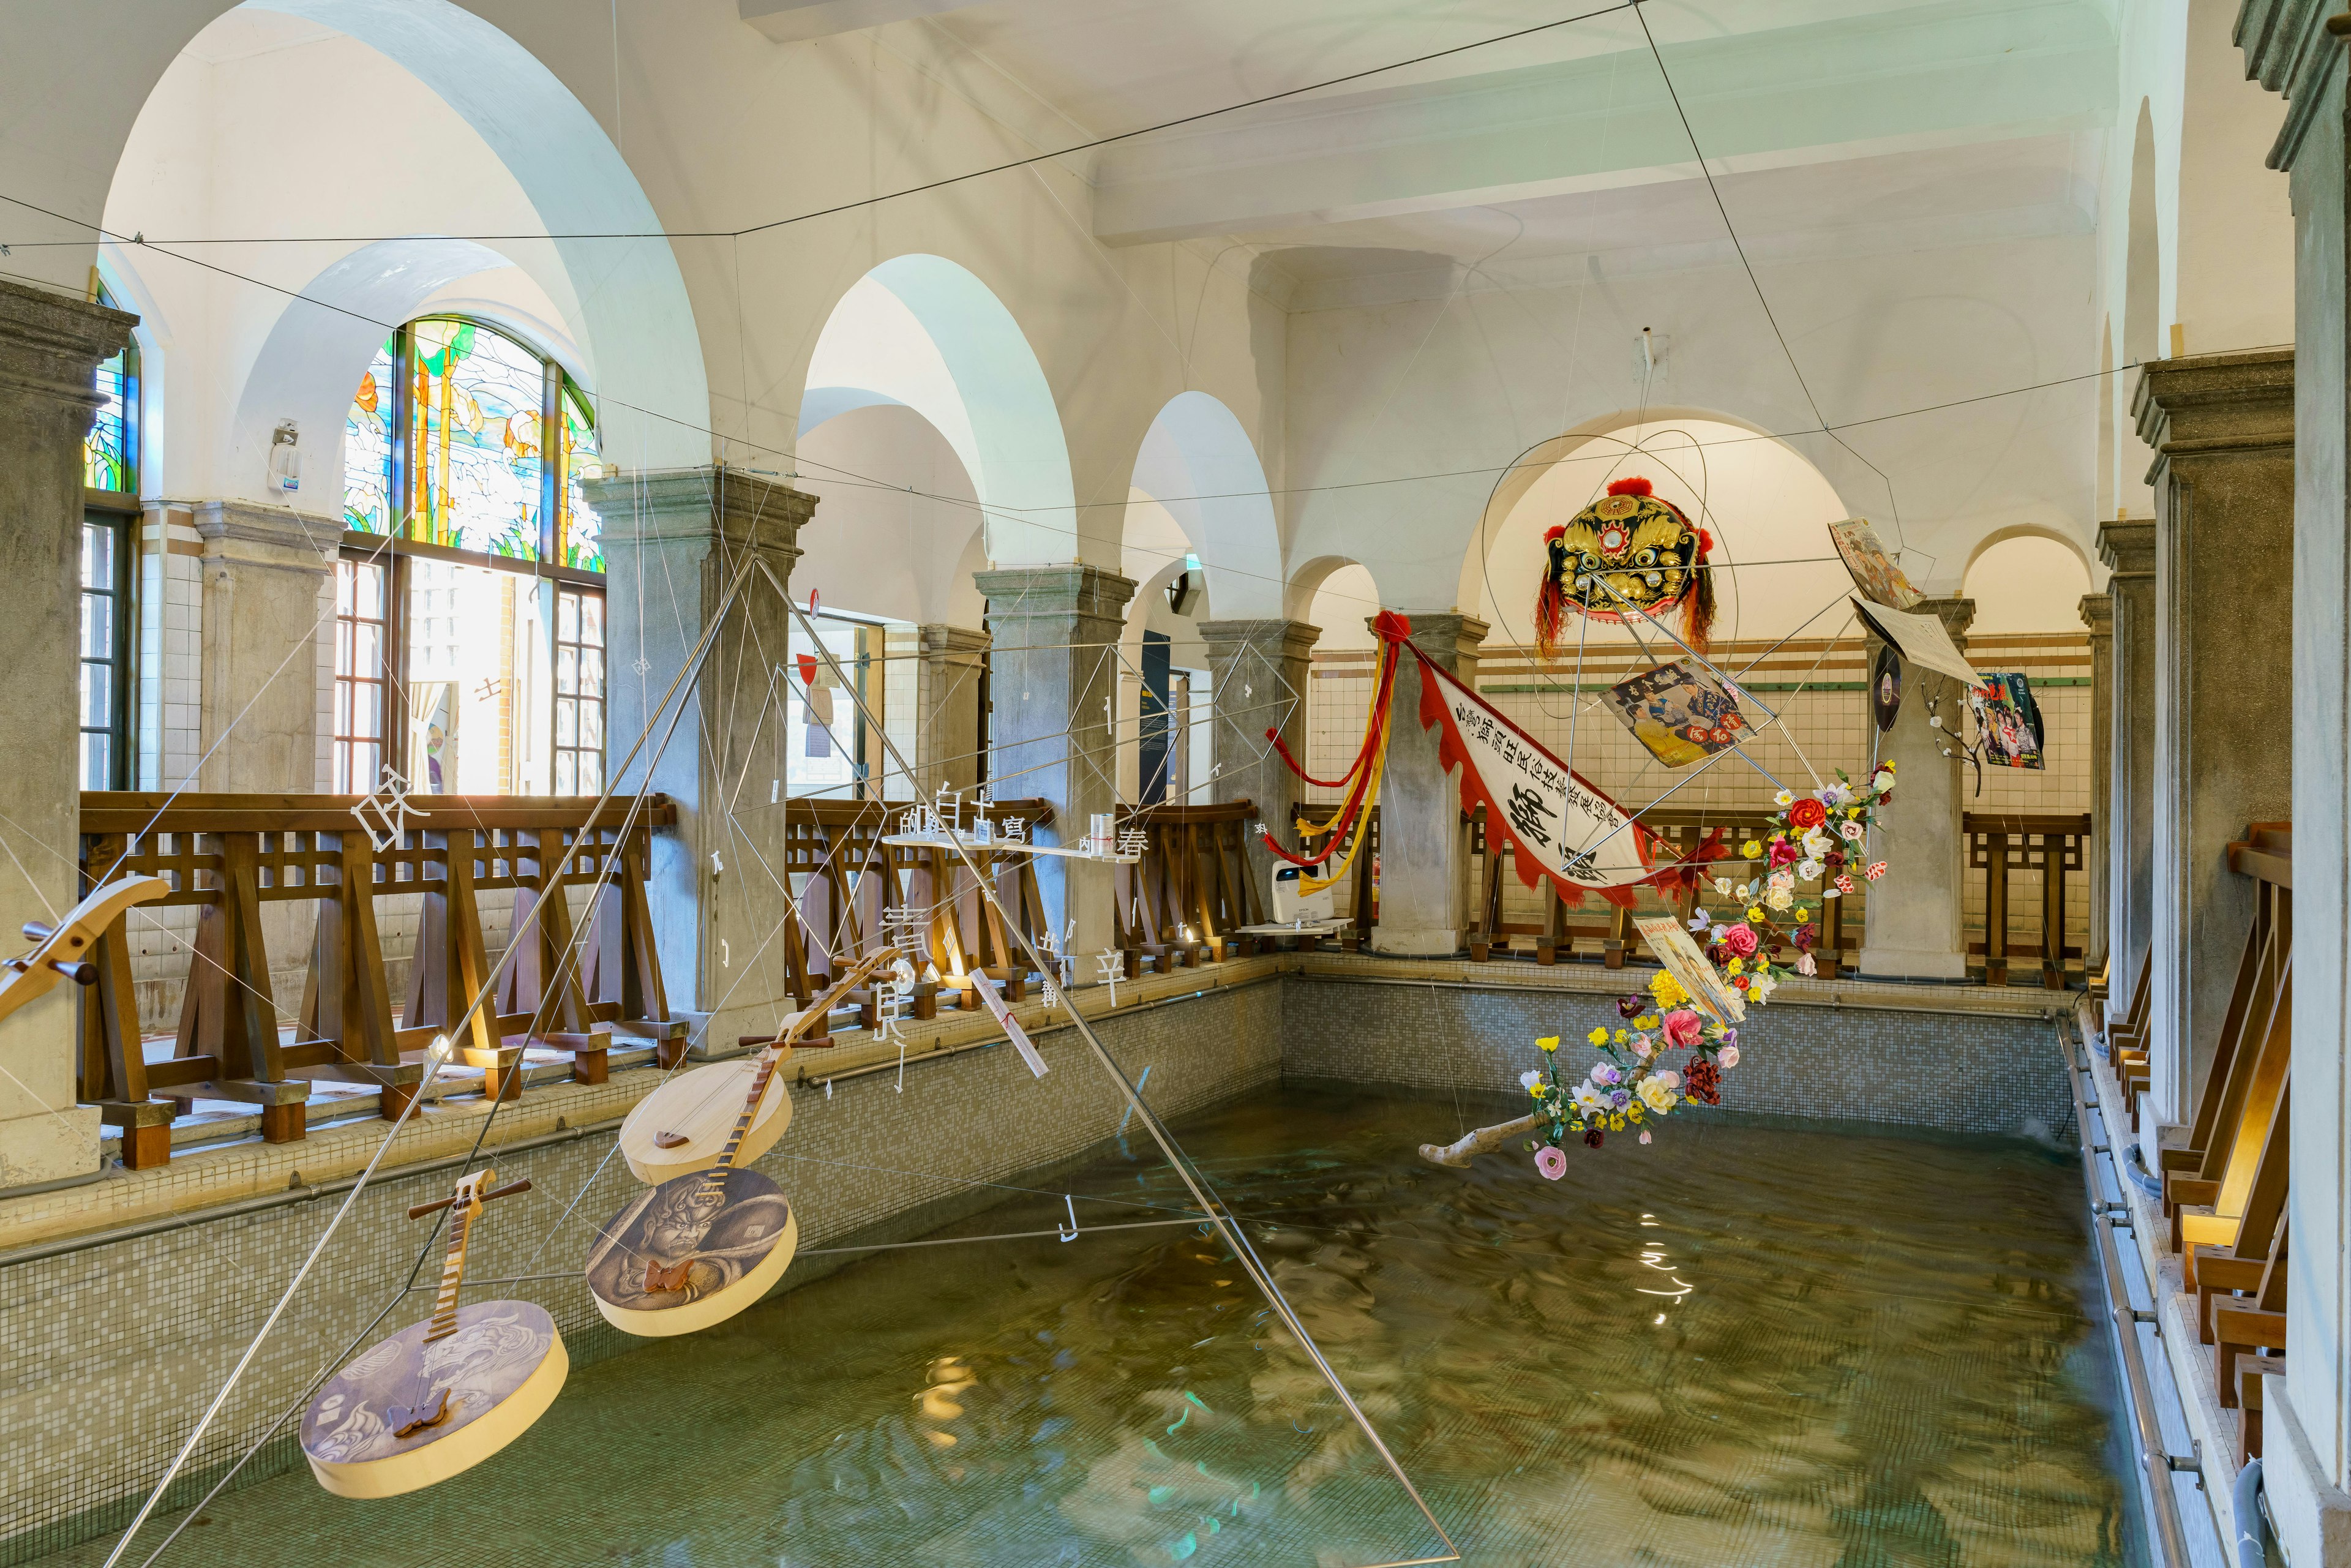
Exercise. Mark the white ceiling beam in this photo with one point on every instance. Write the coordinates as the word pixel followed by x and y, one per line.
pixel 797 21
pixel 1936 75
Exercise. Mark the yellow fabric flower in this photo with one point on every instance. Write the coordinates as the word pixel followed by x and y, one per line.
pixel 1668 990
pixel 1620 1037
pixel 1599 1035
pixel 1615 1124
pixel 1658 1095
pixel 1549 1042
pixel 1751 850
pixel 1755 916
pixel 1647 1020
pixel 1734 967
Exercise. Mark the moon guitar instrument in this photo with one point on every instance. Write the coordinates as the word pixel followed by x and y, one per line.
pixel 703 1246
pixel 682 1126
pixel 440 1396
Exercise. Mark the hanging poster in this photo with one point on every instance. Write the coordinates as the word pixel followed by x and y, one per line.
pixel 1922 638
pixel 1874 571
pixel 2008 720
pixel 1886 686
pixel 1681 711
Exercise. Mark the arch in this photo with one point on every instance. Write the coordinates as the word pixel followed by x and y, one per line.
pixel 1342 614
pixel 1198 463
pixel 2108 391
pixel 923 332
pixel 2143 250
pixel 632 315
pixel 2031 581
pixel 1762 500
pixel 2074 547
pixel 314 356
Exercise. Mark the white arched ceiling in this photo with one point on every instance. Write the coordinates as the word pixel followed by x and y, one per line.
pixel 923 332
pixel 653 398
pixel 905 551
pixel 2026 582
pixel 1198 463
pixel 1759 497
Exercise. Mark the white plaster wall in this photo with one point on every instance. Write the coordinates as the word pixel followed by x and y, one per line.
pixel 1417 408
pixel 898 527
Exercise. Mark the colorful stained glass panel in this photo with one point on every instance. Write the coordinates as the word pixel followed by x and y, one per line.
pixel 107 455
pixel 474 415
pixel 367 449
pixel 580 541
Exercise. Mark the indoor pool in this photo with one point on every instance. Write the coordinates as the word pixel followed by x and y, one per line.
pixel 1740 1345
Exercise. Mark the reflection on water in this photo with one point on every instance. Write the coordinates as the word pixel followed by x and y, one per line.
pixel 1736 1346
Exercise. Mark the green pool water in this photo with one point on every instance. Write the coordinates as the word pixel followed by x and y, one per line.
pixel 1737 1347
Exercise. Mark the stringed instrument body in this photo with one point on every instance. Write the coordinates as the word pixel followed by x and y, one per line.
pixel 682 1125
pixel 701 1246
pixel 442 1395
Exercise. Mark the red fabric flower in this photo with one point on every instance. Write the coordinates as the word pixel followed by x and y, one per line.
pixel 1807 814
pixel 1741 939
pixel 1784 853
pixel 1683 1030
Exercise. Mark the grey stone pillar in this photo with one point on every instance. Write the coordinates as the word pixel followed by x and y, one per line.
pixel 2222 428
pixel 1423 858
pixel 50 349
pixel 2306 1429
pixel 1258 671
pixel 1053 672
pixel 265 572
pixel 2127 546
pixel 674 541
pixel 1914 927
pixel 947 687
pixel 2098 614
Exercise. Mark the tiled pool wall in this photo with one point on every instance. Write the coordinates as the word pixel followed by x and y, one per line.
pixel 1953 1073
pixel 108 1354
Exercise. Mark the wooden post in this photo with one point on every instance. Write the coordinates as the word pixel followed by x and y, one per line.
pixel 2052 910
pixel 1995 907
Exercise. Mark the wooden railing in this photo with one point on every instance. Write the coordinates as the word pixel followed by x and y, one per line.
pixel 2000 842
pixel 847 882
pixel 1360 900
pixel 2226 1186
pixel 1186 900
pixel 230 855
pixel 1609 928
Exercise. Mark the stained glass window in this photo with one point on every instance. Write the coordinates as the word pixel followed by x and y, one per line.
pixel 474 418
pixel 109 454
pixel 579 538
pixel 367 449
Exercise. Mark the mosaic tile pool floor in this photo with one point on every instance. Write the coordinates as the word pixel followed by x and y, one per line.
pixel 1738 1346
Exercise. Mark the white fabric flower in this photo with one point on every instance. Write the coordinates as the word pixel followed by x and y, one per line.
pixel 1657 1094
pixel 1700 921
pixel 1764 986
pixel 1817 842
pixel 1833 796
pixel 1850 830
pixel 1722 886
pixel 1529 1078
pixel 1784 800
pixel 1809 869
pixel 1587 1098
pixel 1778 898
pixel 1882 782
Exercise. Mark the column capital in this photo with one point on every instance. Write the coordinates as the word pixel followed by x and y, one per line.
pixel 51 346
pixel 715 501
pixel 2127 546
pixel 253 533
pixel 939 638
pixel 1275 638
pixel 1448 639
pixel 2098 612
pixel 1035 592
pixel 2215 405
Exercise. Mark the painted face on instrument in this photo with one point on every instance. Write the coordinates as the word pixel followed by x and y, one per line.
pixel 1629 552
pixel 681 1218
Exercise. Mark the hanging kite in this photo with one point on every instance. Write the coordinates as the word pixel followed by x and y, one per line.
pixel 1558 824
pixel 1628 551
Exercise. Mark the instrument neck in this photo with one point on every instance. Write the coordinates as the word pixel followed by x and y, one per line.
pixel 453 1274
pixel 760 1082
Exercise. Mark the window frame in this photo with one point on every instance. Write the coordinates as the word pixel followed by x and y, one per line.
pixel 391 714
pixel 577 696
pixel 101 509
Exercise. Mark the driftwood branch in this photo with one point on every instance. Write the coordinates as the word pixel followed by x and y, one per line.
pixel 1484 1140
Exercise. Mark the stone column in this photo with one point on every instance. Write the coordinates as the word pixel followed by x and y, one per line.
pixel 1914 927
pixel 673 540
pixel 266 573
pixel 2222 428
pixel 2306 1429
pixel 947 687
pixel 50 349
pixel 1258 671
pixel 2098 614
pixel 2127 546
pixel 1423 858
pixel 1053 672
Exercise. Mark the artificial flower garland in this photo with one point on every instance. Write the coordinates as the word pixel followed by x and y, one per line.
pixel 1631 1085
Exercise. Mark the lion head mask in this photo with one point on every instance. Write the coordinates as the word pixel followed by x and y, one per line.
pixel 1626 551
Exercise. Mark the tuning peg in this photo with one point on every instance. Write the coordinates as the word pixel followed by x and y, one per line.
pixel 37 932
